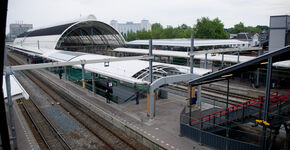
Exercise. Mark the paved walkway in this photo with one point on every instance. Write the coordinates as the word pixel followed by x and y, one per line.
pixel 25 138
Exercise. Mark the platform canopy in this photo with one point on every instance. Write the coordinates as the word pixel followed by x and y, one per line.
pixel 197 42
pixel 279 55
pixel 17 91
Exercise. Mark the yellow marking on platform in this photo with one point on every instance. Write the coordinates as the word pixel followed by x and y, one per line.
pixel 84 84
pixel 266 123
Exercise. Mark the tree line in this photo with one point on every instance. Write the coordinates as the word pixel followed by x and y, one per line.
pixel 205 28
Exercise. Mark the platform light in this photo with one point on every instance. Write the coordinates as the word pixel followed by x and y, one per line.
pixel 227 75
pixel 106 64
pixel 264 63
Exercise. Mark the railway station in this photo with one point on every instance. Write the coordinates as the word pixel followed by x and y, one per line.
pixel 84 87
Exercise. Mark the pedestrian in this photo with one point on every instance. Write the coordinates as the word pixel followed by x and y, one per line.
pixel 108 96
pixel 252 81
pixel 60 75
pixel 137 97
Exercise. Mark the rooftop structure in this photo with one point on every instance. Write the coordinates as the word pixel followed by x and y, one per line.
pixel 60 43
pixel 279 35
pixel 124 28
pixel 201 55
pixel 17 91
pixel 197 42
pixel 74 35
pixel 17 29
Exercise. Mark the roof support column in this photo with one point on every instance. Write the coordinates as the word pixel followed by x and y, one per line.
pixel 191 51
pixel 205 61
pixel 238 56
pixel 65 73
pixel 93 83
pixel 191 72
pixel 83 76
pixel 151 91
pixel 258 71
pixel 10 104
pixel 266 103
pixel 223 55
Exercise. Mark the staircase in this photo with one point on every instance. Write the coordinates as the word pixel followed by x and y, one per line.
pixel 249 111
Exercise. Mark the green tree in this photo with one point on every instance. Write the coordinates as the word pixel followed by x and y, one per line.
pixel 156 26
pixel 157 30
pixel 262 27
pixel 250 29
pixel 210 29
pixel 238 28
pixel 141 35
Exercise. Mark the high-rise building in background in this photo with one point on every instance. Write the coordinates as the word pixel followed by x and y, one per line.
pixel 17 29
pixel 124 28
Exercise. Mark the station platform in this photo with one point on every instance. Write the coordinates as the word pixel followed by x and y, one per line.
pixel 25 138
pixel 163 130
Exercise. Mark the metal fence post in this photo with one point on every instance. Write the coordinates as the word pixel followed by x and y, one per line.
pixel 227 104
pixel 190 98
pixel 266 104
pixel 227 141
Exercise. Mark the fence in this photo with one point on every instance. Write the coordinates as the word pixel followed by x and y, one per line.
pixel 211 139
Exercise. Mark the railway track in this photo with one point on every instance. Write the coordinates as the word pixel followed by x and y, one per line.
pixel 50 136
pixel 108 134
pixel 217 95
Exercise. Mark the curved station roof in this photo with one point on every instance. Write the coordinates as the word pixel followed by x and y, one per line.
pixel 79 40
pixel 86 33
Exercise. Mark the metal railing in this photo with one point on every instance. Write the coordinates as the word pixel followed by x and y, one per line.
pixel 214 140
pixel 244 109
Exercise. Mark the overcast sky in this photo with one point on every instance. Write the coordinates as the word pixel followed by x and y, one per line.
pixel 167 12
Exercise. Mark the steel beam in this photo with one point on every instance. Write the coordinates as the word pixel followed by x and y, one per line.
pixel 227 104
pixel 93 83
pixel 191 51
pixel 71 63
pixel 190 98
pixel 11 111
pixel 151 91
pixel 223 56
pixel 238 56
pixel 266 104
pixel 205 61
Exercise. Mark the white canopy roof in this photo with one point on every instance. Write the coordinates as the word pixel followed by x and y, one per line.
pixel 186 42
pixel 123 70
pixel 17 91
pixel 216 57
